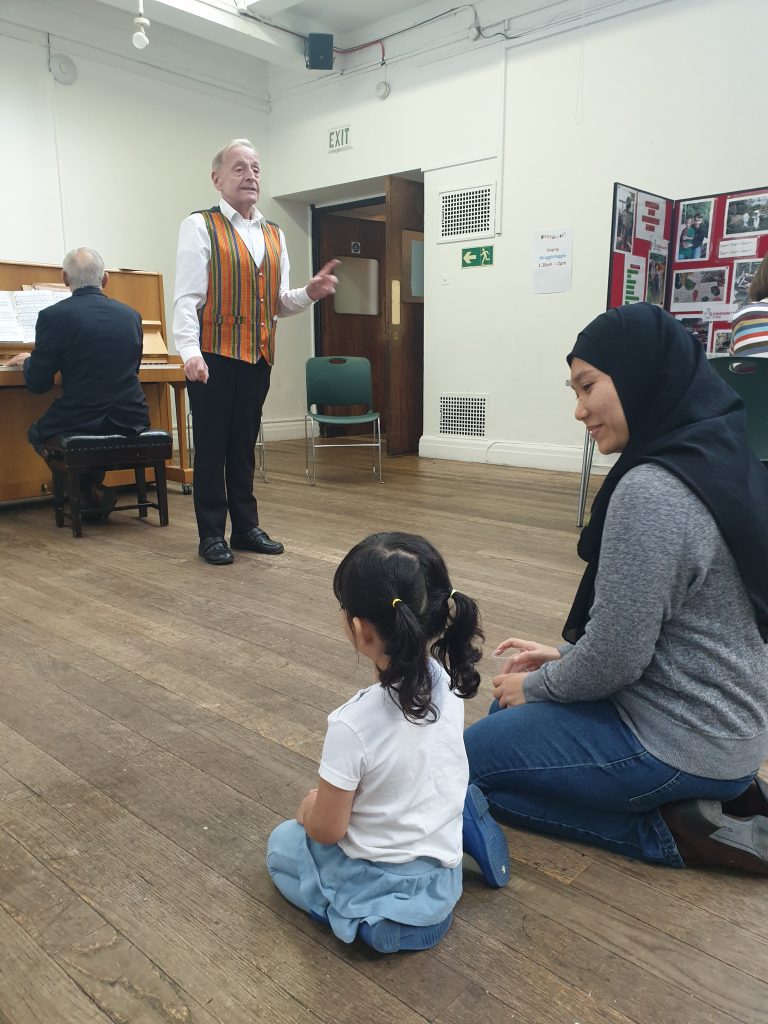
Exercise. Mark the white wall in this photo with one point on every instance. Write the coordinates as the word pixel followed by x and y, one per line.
pixel 115 162
pixel 661 99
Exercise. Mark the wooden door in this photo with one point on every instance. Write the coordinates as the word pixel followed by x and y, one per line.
pixel 405 322
pixel 349 238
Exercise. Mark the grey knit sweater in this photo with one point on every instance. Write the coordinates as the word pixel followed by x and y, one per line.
pixel 672 638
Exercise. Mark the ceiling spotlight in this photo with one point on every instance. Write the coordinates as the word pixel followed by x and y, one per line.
pixel 140 37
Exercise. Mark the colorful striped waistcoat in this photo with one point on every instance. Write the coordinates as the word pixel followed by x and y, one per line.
pixel 239 317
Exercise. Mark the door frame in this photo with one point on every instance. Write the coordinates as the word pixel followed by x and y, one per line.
pixel 315 212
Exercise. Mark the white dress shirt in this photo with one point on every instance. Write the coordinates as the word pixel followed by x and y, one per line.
pixel 193 260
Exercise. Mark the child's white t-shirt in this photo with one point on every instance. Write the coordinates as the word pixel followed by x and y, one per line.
pixel 411 779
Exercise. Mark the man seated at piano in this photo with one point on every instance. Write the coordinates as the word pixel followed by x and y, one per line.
pixel 95 343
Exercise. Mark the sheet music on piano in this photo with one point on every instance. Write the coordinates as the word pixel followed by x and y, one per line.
pixel 10 328
pixel 29 303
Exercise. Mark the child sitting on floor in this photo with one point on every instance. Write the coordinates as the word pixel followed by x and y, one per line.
pixel 376 850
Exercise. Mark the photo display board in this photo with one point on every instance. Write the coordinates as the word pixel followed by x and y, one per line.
pixel 695 257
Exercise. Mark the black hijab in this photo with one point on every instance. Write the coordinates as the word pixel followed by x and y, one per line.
pixel 683 417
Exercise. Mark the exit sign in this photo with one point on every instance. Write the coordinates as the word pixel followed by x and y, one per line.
pixel 339 139
pixel 477 256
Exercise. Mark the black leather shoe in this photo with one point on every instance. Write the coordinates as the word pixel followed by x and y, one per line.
pixel 704 835
pixel 752 801
pixel 215 551
pixel 256 540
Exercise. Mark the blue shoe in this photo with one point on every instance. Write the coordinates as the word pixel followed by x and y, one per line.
pixel 483 839
pixel 392 937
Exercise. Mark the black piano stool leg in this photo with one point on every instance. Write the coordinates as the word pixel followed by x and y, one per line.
pixel 75 503
pixel 161 484
pixel 141 491
pixel 58 496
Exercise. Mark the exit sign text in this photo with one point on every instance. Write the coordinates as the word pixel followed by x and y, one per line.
pixel 339 138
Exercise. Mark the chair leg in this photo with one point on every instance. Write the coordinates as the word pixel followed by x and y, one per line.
pixel 141 490
pixel 377 433
pixel 309 446
pixel 586 467
pixel 262 454
pixel 161 485
pixel 58 496
pixel 75 503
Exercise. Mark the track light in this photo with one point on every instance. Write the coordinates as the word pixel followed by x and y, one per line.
pixel 140 37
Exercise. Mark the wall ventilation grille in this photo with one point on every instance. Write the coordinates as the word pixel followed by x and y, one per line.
pixel 463 415
pixel 467 213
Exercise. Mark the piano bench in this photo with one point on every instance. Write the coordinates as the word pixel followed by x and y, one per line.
pixel 70 455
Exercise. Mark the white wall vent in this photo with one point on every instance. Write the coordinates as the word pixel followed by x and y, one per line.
pixel 467 213
pixel 463 415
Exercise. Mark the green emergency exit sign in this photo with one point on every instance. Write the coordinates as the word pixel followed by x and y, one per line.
pixel 477 256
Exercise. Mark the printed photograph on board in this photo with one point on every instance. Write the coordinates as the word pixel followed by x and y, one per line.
pixel 693 229
pixel 721 342
pixel 699 328
pixel 657 272
pixel 624 228
pixel 692 289
pixel 743 272
pixel 747 215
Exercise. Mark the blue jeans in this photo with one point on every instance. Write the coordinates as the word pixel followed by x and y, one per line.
pixel 577 771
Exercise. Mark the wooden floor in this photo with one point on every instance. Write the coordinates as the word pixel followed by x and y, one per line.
pixel 158 717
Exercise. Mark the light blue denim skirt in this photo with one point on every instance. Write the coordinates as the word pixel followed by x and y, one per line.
pixel 346 891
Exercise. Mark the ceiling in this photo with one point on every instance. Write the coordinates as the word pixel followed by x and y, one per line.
pixel 338 17
pixel 274 31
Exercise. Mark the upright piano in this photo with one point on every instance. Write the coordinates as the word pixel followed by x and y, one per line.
pixel 23 474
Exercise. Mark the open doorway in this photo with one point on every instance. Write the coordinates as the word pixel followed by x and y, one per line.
pixel 378 310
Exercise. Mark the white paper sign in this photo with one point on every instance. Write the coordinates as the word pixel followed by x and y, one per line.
pixel 552 260
pixel 737 247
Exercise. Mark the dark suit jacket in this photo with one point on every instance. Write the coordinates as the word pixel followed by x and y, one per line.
pixel 95 343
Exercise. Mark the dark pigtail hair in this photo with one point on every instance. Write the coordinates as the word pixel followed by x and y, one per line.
pixel 399 583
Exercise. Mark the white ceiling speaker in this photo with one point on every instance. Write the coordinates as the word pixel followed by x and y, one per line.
pixel 382 90
pixel 62 68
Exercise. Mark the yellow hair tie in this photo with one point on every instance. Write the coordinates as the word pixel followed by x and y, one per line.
pixel 451 594
pixel 396 600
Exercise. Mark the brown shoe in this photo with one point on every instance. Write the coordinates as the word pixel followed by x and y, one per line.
pixel 706 836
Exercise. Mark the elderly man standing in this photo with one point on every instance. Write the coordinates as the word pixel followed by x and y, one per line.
pixel 231 287
pixel 95 343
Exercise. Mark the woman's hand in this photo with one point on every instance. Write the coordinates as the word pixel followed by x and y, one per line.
pixel 508 689
pixel 526 655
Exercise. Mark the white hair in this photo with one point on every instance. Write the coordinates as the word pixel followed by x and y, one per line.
pixel 84 268
pixel 218 160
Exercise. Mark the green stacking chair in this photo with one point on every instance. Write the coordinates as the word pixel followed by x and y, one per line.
pixel 748 376
pixel 339 381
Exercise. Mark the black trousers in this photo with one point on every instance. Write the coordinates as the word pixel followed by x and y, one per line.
pixel 226 416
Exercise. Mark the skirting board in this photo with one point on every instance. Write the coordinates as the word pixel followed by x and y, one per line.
pixel 285 430
pixel 567 458
pixel 278 430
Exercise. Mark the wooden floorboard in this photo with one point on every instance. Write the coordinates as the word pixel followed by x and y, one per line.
pixel 158 717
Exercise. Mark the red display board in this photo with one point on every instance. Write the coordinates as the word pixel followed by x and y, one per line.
pixel 706 250
pixel 641 243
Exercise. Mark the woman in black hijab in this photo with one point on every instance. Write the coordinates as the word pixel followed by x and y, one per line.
pixel 644 732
